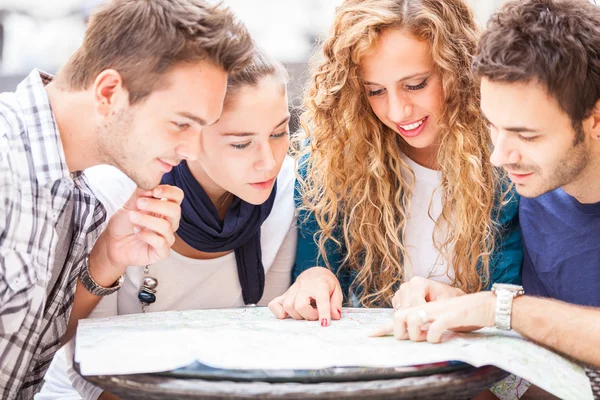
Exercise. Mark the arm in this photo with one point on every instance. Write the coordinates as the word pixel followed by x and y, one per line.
pixel 17 268
pixel 140 233
pixel 112 188
pixel 566 328
pixel 312 283
pixel 505 263
pixel 65 381
pixel 278 277
pixel 307 252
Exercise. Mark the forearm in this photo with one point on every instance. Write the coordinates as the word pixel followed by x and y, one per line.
pixel 569 329
pixel 104 274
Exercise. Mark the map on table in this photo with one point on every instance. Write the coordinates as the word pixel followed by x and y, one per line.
pixel 252 338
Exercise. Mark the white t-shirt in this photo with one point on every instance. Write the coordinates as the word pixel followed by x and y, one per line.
pixel 424 259
pixel 183 283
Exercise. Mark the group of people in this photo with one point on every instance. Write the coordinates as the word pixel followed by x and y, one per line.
pixel 437 171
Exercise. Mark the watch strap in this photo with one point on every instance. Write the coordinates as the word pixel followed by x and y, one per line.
pixel 93 287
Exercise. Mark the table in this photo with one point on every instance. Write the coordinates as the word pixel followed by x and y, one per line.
pixel 462 384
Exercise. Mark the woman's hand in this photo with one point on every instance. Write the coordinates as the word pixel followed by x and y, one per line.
pixel 420 290
pixel 315 286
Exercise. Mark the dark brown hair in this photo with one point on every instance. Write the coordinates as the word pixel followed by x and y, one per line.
pixel 553 42
pixel 142 39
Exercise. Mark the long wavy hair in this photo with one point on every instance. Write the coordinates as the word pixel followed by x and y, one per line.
pixel 353 183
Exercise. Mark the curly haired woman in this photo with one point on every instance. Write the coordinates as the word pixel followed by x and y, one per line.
pixel 396 195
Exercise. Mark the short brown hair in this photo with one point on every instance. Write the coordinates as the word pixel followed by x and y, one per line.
pixel 553 42
pixel 142 39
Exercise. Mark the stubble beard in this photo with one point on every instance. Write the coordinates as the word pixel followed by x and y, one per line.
pixel 119 148
pixel 567 170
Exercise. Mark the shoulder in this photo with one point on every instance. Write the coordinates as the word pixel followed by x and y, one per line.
pixel 17 174
pixel 15 153
pixel 111 186
pixel 508 206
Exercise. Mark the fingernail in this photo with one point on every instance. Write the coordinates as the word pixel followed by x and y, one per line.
pixel 324 322
pixel 157 192
pixel 136 230
pixel 339 312
pixel 134 216
pixel 142 203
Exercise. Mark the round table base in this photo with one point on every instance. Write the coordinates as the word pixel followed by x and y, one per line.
pixel 462 384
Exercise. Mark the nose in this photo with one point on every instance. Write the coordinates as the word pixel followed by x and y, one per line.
pixel 399 107
pixel 190 149
pixel 504 152
pixel 266 159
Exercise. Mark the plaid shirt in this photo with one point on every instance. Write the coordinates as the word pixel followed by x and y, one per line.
pixel 35 186
pixel 594 375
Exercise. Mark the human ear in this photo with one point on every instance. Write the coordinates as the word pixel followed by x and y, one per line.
pixel 108 91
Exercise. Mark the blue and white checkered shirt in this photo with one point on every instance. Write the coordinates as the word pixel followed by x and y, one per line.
pixel 35 187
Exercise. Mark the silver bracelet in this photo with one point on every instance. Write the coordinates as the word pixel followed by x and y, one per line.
pixel 92 286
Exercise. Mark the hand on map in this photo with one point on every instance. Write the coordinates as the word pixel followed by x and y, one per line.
pixel 420 290
pixel 315 285
pixel 428 321
pixel 139 233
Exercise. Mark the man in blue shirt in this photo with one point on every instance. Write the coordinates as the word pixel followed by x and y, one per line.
pixel 539 64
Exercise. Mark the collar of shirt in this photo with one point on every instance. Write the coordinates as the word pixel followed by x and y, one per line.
pixel 46 146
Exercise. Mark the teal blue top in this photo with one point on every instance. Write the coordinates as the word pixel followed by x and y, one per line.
pixel 505 263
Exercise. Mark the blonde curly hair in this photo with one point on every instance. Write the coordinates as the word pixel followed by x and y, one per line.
pixel 353 184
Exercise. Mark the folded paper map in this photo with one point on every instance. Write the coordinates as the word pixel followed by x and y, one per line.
pixel 252 338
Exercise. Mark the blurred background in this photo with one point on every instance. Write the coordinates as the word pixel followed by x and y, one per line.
pixel 43 34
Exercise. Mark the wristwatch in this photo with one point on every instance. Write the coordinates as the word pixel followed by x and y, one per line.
pixel 92 286
pixel 505 293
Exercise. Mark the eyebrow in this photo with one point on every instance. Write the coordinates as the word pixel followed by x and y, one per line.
pixel 244 134
pixel 515 129
pixel 200 121
pixel 406 78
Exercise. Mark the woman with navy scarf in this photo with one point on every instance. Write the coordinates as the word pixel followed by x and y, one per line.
pixel 236 242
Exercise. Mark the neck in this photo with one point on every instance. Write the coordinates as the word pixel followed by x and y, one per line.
pixel 586 188
pixel 73 111
pixel 220 197
pixel 426 157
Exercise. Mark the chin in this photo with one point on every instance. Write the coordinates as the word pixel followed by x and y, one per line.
pixel 255 200
pixel 147 182
pixel 529 191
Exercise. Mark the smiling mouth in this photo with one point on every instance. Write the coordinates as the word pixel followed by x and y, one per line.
pixel 413 126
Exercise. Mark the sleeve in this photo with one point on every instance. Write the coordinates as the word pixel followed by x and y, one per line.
pixel 506 261
pixel 106 307
pixel 307 251
pixel 278 277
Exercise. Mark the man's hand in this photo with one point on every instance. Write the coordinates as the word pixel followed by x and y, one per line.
pixel 315 285
pixel 429 321
pixel 139 233
pixel 420 291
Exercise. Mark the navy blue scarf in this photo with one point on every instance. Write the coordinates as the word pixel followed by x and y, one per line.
pixel 202 228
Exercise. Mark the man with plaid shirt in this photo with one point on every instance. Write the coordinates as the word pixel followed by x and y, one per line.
pixel 136 95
